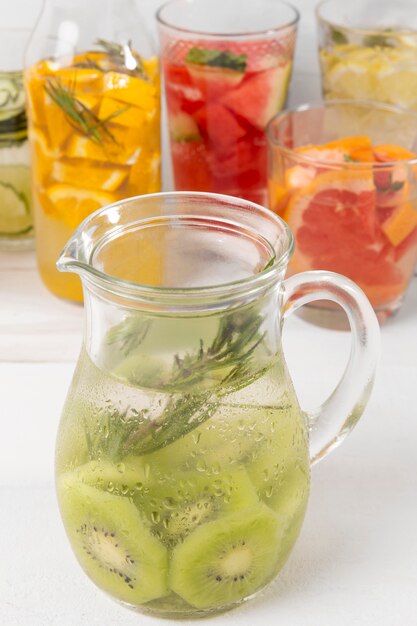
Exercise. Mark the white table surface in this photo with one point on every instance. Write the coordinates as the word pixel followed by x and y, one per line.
pixel 355 563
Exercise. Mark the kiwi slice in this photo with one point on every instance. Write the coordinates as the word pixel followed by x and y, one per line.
pixel 284 484
pixel 228 559
pixel 179 503
pixel 112 542
pixel 124 478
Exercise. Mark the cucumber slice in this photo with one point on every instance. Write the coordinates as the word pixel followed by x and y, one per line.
pixel 12 95
pixel 15 213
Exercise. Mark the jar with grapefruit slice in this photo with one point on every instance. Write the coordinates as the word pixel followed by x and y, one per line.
pixel 227 67
pixel 344 177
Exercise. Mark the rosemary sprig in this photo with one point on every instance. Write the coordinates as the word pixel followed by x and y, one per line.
pixel 123 55
pixel 188 406
pixel 80 117
pixel 129 334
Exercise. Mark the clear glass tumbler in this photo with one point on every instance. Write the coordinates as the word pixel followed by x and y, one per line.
pixel 368 50
pixel 16 224
pixel 227 67
pixel 343 175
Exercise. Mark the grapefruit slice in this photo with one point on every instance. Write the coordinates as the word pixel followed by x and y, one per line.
pixel 260 95
pixel 335 226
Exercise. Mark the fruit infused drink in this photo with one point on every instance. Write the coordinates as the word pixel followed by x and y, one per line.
pixel 221 91
pixel 182 459
pixel 368 51
pixel 351 203
pixel 198 517
pixel 16 222
pixel 94 130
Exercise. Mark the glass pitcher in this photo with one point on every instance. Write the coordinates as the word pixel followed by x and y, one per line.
pixel 93 96
pixel 183 456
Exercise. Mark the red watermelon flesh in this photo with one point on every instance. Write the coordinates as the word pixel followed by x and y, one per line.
pixel 212 82
pixel 241 162
pixel 259 96
pixel 189 160
pixel 219 126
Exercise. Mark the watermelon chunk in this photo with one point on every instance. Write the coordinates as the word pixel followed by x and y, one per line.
pixel 212 82
pixel 219 126
pixel 182 127
pixel 260 95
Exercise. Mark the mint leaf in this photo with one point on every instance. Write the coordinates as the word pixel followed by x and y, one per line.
pixel 217 58
pixel 399 184
pixel 338 37
pixel 374 41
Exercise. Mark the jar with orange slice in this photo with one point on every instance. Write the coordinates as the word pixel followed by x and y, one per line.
pixel 344 176
pixel 93 93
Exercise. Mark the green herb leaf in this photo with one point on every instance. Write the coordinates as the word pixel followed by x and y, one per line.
pixel 77 114
pixel 374 41
pixel 217 58
pixel 338 36
pixel 397 185
pixel 230 354
pixel 125 56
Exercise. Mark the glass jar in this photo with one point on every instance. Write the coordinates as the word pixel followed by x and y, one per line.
pixel 16 223
pixel 92 82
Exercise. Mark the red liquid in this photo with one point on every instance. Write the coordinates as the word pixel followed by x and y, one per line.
pixel 217 118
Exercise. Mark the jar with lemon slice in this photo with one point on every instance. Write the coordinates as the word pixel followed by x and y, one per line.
pixel 16 223
pixel 368 50
pixel 92 83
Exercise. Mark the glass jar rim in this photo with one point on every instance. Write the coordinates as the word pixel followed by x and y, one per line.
pixel 363 31
pixel 323 104
pixel 207 34
pixel 72 258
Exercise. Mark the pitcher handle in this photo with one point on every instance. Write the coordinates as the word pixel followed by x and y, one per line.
pixel 331 422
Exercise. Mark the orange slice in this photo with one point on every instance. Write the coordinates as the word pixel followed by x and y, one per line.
pixel 340 150
pixel 145 174
pixel 43 155
pixel 73 204
pixel 124 114
pixel 131 90
pixel 121 151
pixel 80 80
pixel 400 224
pixel 94 175
pixel 385 153
pixel 278 196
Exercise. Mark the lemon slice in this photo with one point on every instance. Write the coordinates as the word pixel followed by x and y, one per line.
pixel 74 204
pixel 377 73
pixel 15 215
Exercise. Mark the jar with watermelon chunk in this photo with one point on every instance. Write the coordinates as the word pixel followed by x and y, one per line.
pixel 343 175
pixel 227 67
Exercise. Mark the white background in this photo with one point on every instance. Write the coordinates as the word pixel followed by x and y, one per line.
pixel 355 563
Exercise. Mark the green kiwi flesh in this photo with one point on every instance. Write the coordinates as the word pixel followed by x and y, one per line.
pixel 178 504
pixel 228 559
pixel 112 542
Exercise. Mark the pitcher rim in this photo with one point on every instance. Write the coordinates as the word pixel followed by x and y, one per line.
pixel 68 261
